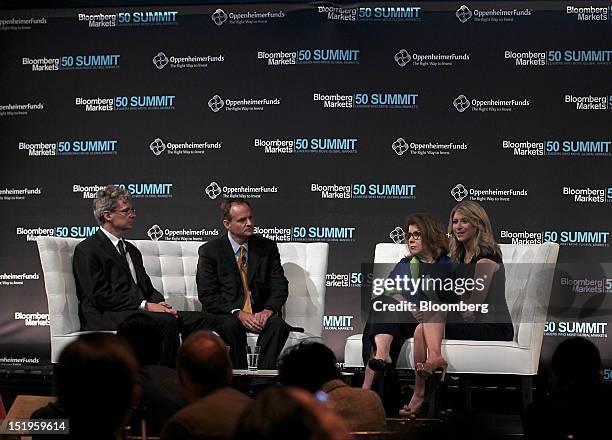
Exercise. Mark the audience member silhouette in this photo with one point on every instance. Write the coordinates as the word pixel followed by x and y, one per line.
pixel 161 392
pixel 312 366
pixel 281 413
pixel 96 387
pixel 205 372
pixel 579 404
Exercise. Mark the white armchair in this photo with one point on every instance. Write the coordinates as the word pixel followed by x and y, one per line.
pixel 529 275
pixel 171 266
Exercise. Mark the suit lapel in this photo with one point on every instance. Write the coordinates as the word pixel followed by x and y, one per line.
pixel 230 259
pixel 131 250
pixel 253 260
pixel 108 247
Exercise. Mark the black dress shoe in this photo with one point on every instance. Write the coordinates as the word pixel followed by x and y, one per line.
pixel 379 365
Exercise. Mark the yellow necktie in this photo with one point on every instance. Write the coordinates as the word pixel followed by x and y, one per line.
pixel 242 267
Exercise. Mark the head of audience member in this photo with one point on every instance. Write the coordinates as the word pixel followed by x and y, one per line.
pixel 140 331
pixel 96 383
pixel 113 209
pixel 237 218
pixel 576 363
pixel 425 236
pixel 203 364
pixel 280 413
pixel 470 229
pixel 308 365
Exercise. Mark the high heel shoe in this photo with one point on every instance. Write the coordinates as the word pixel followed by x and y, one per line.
pixel 379 365
pixel 426 369
pixel 413 408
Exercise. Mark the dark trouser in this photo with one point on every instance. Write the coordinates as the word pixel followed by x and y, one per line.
pixel 271 340
pixel 169 327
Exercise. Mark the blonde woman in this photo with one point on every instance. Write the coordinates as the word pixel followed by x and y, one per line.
pixel 479 257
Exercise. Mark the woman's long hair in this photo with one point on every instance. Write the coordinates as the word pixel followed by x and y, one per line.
pixel 478 217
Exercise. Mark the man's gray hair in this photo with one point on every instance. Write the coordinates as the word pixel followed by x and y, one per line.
pixel 106 200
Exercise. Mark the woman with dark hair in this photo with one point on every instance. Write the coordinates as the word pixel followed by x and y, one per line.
pixel 382 341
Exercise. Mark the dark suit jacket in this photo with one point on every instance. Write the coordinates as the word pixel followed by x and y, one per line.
pixel 104 283
pixel 220 286
pixel 214 416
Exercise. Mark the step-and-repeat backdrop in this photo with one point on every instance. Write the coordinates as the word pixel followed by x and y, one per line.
pixel 335 121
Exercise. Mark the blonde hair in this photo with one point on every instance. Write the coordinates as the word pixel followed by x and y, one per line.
pixel 478 217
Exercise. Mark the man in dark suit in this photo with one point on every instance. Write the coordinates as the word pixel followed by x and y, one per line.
pixel 241 281
pixel 111 281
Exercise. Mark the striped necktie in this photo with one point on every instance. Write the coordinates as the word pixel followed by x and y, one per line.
pixel 242 268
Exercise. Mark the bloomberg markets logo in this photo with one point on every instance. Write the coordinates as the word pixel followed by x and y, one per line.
pixel 70 148
pixel 463 103
pixel 159 147
pixel 135 18
pixel 432 148
pixel 70 231
pixel 278 234
pixel 137 190
pixel 216 103
pixel 20 24
pixel 33 319
pixel 460 192
pixel 404 14
pixel 30 233
pixel 72 62
pixel 307 233
pixel 365 191
pixel 306 145
pixel 349 279
pixel 561 58
pixel 124 103
pixel 588 195
pixel 161 60
pixel 310 56
pixel 464 14
pixel 521 237
pixel 12 194
pixel 214 190
pixel 156 233
pixel 590 13
pixel 21 109
pixel 588 285
pixel 573 328
pixel 404 58
pixel 589 102
pixel 562 147
pixel 220 16
pixel 579 238
pixel 338 322
pixel 17 279
pixel 368 100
